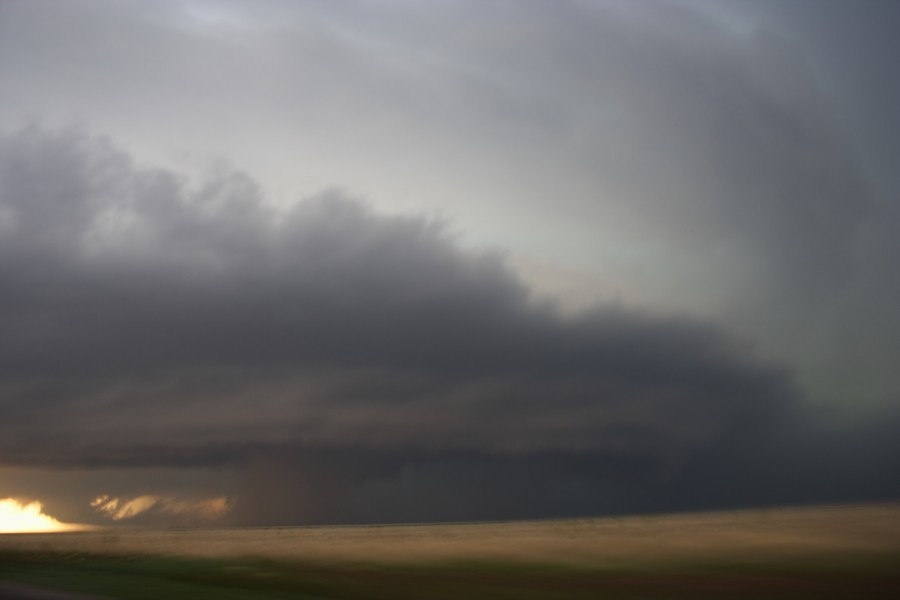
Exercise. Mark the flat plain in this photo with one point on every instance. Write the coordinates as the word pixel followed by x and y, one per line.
pixel 823 552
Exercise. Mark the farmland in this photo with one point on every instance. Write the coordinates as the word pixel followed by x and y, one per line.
pixel 829 552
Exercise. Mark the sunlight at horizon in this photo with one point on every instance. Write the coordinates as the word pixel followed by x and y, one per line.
pixel 18 517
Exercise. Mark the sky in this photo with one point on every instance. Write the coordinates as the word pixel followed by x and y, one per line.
pixel 270 262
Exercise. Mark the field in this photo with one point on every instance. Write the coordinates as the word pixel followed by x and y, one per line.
pixel 824 552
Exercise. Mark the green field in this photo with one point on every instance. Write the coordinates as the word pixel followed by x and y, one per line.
pixel 838 552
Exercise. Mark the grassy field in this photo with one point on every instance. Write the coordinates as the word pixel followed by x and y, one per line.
pixel 828 552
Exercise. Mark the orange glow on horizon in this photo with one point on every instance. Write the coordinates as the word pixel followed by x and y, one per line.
pixel 16 517
pixel 119 509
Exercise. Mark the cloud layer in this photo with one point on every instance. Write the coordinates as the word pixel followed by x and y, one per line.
pixel 151 319
pixel 180 332
pixel 718 158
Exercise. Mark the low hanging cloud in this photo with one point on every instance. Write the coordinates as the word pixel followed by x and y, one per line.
pixel 147 319
pixel 128 509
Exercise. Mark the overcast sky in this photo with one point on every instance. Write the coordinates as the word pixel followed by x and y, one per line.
pixel 341 261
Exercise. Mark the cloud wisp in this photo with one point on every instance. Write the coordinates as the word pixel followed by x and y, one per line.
pixel 139 508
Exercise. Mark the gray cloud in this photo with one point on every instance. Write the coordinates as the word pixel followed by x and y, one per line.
pixel 694 155
pixel 148 320
pixel 729 160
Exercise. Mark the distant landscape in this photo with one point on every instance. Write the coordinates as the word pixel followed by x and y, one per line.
pixel 822 552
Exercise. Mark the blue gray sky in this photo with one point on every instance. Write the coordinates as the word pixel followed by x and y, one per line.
pixel 337 261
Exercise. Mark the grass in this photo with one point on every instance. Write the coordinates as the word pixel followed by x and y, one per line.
pixel 815 553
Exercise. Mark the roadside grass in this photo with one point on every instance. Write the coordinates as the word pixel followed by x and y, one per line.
pixel 145 577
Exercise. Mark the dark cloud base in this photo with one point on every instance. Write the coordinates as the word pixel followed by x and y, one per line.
pixel 352 365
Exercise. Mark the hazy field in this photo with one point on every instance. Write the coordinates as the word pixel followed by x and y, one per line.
pixel 826 552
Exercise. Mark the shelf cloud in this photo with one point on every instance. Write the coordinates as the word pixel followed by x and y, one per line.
pixel 337 262
pixel 151 320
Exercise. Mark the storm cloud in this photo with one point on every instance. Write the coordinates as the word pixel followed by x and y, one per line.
pixel 150 319
pixel 361 261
